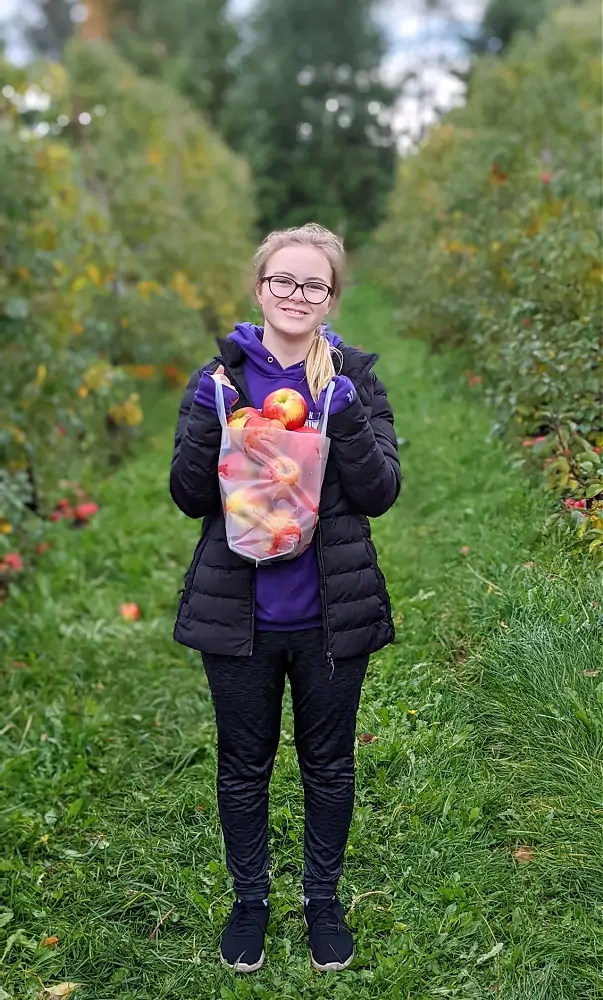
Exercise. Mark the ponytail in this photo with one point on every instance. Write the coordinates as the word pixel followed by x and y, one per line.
pixel 319 365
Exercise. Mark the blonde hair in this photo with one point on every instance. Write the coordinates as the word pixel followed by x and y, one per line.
pixel 319 362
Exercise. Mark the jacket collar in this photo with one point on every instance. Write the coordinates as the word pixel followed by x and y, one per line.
pixel 356 363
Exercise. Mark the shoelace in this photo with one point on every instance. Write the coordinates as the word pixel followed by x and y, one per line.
pixel 244 919
pixel 324 920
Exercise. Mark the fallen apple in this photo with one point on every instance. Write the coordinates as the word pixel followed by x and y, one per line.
pixel 12 561
pixel 130 611
pixel 84 511
pixel 241 417
pixel 288 406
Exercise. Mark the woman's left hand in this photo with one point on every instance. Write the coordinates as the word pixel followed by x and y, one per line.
pixel 343 396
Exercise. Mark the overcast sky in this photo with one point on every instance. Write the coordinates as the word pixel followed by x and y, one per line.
pixel 418 43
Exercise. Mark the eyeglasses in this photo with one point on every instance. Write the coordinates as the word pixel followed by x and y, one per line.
pixel 314 292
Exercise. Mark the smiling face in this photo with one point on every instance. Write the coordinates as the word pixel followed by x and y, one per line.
pixel 294 317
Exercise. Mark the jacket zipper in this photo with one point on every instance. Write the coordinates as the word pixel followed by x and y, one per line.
pixel 251 643
pixel 325 607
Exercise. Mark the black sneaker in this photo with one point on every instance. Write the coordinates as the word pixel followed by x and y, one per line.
pixel 331 945
pixel 242 946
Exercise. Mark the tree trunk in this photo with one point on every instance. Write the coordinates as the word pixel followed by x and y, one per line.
pixel 96 25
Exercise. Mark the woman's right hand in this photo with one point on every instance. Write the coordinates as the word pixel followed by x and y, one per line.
pixel 223 377
pixel 205 394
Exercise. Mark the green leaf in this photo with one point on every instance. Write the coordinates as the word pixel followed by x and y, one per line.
pixel 74 809
pixel 16 308
pixel 496 950
pixel 5 918
pixel 18 937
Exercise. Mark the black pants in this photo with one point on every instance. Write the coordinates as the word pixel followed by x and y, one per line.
pixel 247 693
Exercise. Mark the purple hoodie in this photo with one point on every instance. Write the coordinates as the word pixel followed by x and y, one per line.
pixel 287 594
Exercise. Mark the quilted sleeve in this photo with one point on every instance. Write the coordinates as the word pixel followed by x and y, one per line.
pixel 194 471
pixel 365 451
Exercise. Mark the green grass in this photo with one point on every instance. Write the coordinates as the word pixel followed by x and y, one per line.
pixel 487 712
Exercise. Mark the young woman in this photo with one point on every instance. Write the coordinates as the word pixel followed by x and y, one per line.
pixel 315 619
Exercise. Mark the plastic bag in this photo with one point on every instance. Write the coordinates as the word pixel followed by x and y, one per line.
pixel 270 484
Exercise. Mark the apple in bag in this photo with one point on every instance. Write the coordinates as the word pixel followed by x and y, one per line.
pixel 288 406
pixel 240 418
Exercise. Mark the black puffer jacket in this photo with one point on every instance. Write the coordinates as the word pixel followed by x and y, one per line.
pixel 362 480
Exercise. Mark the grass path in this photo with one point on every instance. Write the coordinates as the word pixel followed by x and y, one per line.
pixel 487 714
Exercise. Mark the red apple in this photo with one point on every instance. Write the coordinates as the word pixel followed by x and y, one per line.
pixel 306 505
pixel 261 421
pixel 303 504
pixel 288 406
pixel 84 511
pixel 299 507
pixel 12 561
pixel 236 467
pixel 284 532
pixel 282 470
pixel 248 505
pixel 241 417
pixel 305 444
pixel 130 611
pixel 260 440
pixel 308 519
pixel 63 509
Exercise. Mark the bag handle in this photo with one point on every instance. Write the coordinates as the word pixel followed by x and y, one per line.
pixel 322 423
pixel 221 409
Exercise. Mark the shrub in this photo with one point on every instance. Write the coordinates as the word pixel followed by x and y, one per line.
pixel 492 242
pixel 125 226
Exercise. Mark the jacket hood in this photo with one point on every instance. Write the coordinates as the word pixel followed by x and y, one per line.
pixel 249 337
pixel 246 341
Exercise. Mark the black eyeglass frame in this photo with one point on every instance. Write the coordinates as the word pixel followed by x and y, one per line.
pixel 298 284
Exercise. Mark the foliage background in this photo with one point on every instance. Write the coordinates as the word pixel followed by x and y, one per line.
pixel 313 115
pixel 186 44
pixel 295 87
pixel 493 243
pixel 126 236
